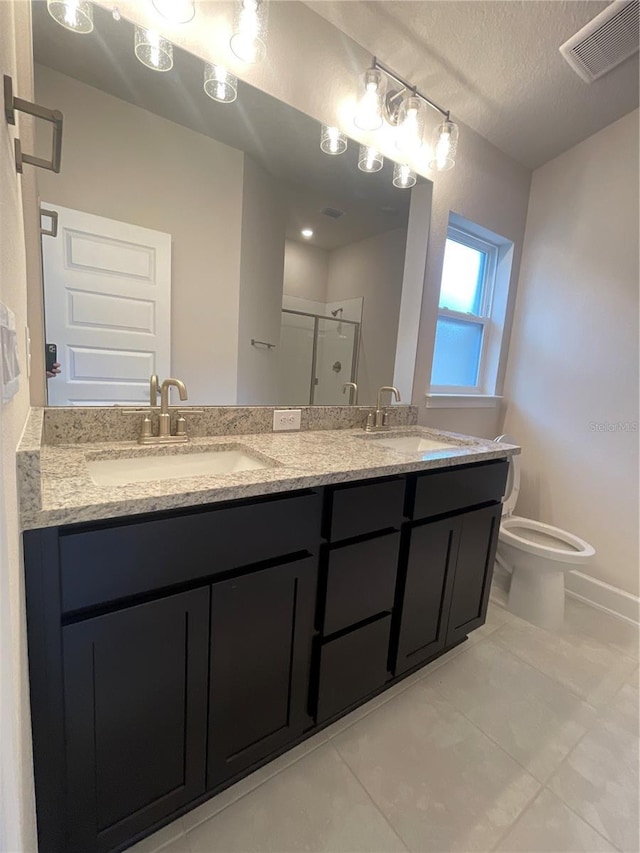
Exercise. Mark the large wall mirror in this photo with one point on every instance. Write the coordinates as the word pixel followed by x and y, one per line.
pixel 181 246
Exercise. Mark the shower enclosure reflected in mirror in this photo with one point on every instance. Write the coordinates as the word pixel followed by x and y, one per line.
pixel 183 243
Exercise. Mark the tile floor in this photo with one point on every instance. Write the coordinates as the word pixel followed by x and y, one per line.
pixel 518 740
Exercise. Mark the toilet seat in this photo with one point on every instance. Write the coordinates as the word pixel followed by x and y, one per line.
pixel 569 549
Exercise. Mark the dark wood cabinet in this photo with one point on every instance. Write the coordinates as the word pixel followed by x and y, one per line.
pixel 135 695
pixel 474 570
pixel 445 590
pixel 352 667
pixel 261 643
pixel 423 592
pixel 171 654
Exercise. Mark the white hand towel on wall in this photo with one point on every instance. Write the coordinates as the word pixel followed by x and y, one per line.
pixel 9 365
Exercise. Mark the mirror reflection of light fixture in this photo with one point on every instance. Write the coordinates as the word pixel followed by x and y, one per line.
pixel 74 15
pixel 249 38
pixel 445 143
pixel 403 177
pixel 370 106
pixel 411 123
pixel 332 140
pixel 220 84
pixel 370 160
pixel 176 11
pixel 153 50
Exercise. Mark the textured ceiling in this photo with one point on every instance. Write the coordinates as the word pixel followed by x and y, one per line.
pixel 496 65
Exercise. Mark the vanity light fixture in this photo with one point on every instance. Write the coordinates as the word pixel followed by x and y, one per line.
pixel 153 50
pixel 369 111
pixel 332 140
pixel 370 160
pixel 74 15
pixel 220 84
pixel 403 106
pixel 175 11
pixel 445 144
pixel 307 233
pixel 249 38
pixel 403 176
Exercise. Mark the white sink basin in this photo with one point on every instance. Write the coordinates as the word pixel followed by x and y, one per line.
pixel 415 444
pixel 146 469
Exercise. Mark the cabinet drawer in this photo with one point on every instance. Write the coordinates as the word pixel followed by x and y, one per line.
pixel 102 565
pixel 438 492
pixel 361 581
pixel 352 667
pixel 365 508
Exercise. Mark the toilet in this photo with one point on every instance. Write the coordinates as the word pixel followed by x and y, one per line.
pixel 537 555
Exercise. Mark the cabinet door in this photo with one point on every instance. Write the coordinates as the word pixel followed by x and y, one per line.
pixel 261 638
pixel 424 595
pixel 135 689
pixel 474 570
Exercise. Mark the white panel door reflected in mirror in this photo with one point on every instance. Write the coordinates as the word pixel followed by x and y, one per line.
pixel 107 307
pixel 233 186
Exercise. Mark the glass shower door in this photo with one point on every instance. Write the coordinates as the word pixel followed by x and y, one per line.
pixel 336 350
pixel 296 359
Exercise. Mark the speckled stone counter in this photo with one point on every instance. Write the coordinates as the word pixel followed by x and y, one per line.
pixel 56 487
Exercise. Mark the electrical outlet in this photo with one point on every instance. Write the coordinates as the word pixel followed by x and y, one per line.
pixel 284 419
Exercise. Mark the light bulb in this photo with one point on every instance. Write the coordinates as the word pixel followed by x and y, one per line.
pixel 176 11
pixel 369 111
pixel 153 50
pixel 370 160
pixel 403 177
pixel 307 233
pixel 249 38
pixel 410 125
pixel 445 143
pixel 74 15
pixel 332 140
pixel 220 84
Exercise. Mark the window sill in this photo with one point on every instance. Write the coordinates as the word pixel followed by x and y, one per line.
pixel 462 401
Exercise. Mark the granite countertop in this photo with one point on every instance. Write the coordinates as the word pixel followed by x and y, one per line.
pixel 56 487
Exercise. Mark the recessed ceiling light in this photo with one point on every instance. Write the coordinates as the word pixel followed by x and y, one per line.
pixel 307 233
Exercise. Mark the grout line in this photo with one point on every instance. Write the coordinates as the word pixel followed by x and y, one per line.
pixel 501 748
pixel 268 778
pixel 557 680
pixel 411 681
pixel 493 740
pixel 581 817
pixel 565 760
pixel 509 829
pixel 375 805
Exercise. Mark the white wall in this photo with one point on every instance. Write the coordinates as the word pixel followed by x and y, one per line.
pixel 17 816
pixel 119 161
pixel 306 270
pixel 372 269
pixel 261 276
pixel 574 351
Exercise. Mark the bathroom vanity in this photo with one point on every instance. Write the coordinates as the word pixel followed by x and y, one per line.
pixel 173 651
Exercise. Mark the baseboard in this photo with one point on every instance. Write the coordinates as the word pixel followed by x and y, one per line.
pixel 589 590
pixel 603 596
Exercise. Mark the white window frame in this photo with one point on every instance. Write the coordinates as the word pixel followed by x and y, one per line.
pixel 491 250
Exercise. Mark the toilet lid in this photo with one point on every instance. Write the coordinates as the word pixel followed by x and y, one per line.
pixel 512 489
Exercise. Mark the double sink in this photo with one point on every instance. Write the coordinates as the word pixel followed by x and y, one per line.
pixel 125 470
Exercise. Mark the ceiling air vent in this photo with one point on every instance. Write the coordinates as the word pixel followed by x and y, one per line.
pixel 606 41
pixel 332 212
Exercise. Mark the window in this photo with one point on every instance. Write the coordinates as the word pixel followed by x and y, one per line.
pixel 476 269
